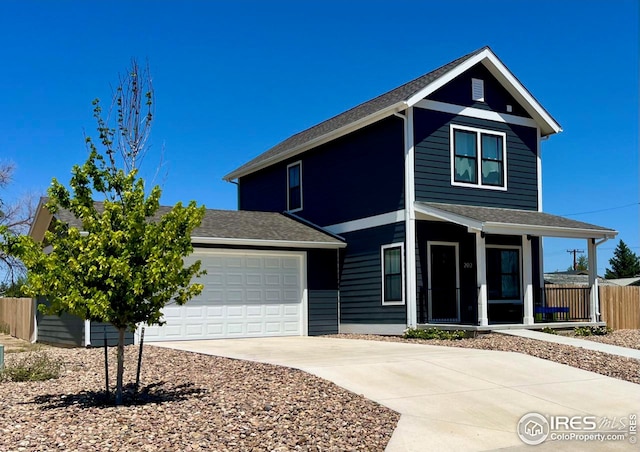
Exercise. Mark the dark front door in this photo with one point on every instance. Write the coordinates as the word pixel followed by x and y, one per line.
pixel 444 305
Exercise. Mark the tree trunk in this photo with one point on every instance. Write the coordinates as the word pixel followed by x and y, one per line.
pixel 120 371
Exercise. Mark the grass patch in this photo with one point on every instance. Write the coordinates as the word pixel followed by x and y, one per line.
pixel 592 330
pixel 434 333
pixel 32 366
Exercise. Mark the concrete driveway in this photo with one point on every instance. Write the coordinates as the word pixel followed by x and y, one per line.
pixel 449 398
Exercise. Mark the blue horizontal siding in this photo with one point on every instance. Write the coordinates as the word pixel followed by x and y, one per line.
pixel 433 163
pixel 361 278
pixel 323 312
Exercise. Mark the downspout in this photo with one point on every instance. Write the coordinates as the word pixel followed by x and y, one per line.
pixel 409 218
pixel 237 191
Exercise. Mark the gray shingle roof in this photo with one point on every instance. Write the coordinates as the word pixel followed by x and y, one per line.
pixel 241 225
pixel 388 99
pixel 513 216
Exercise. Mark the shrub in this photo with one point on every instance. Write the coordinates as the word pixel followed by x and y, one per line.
pixel 4 328
pixel 32 366
pixel 434 333
pixel 592 330
pixel 548 330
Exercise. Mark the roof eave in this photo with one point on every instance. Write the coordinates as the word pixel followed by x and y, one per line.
pixel 381 114
pixel 263 242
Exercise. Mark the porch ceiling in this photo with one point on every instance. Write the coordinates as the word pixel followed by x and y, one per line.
pixel 493 220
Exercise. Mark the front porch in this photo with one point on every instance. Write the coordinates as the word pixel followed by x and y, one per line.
pixel 481 269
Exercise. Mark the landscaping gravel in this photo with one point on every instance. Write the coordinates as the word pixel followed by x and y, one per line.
pixel 188 402
pixel 603 363
pixel 196 402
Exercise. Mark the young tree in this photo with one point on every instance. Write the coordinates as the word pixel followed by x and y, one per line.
pixel 15 219
pixel 126 261
pixel 624 263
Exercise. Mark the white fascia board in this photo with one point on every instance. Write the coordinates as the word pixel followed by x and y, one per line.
pixel 546 231
pixel 450 217
pixel 516 89
pixel 504 75
pixel 260 242
pixel 319 140
pixel 476 113
pixel 446 78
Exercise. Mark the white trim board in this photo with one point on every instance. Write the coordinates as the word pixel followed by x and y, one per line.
pixel 260 242
pixel 366 223
pixel 472 112
pixel 388 329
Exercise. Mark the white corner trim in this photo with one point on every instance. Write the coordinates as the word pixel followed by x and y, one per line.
pixel 472 112
pixel 388 329
pixel 366 223
pixel 87 333
pixel 539 168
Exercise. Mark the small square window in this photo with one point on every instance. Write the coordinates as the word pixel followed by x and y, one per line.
pixel 392 274
pixel 294 187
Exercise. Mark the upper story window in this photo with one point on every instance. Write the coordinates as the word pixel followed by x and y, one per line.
pixel 294 187
pixel 392 274
pixel 478 158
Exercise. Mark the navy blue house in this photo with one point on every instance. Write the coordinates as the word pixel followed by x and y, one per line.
pixel 435 187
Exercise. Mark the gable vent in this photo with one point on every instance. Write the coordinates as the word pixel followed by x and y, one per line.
pixel 477 89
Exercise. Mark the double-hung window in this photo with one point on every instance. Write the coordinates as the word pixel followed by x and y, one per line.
pixel 478 158
pixel 392 274
pixel 294 187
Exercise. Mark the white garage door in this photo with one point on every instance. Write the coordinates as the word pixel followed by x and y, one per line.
pixel 246 294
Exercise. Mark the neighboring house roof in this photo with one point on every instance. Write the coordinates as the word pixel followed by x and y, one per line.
pixel 232 227
pixel 493 220
pixel 573 278
pixel 625 281
pixel 398 100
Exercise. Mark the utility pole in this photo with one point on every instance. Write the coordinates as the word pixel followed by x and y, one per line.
pixel 575 262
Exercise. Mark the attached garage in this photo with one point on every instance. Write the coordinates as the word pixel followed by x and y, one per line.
pixel 246 294
pixel 268 274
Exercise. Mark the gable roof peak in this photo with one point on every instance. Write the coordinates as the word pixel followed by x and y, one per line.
pixel 394 101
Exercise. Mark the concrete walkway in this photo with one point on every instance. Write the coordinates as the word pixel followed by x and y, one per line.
pixel 449 398
pixel 575 342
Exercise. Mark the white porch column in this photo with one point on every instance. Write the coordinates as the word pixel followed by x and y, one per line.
pixel 527 281
pixel 594 301
pixel 87 333
pixel 481 276
pixel 411 295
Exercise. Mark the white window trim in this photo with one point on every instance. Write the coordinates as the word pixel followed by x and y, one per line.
pixel 297 163
pixel 402 269
pixel 514 301
pixel 456 246
pixel 478 132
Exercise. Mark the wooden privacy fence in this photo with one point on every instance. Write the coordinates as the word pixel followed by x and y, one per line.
pixel 620 307
pixel 17 315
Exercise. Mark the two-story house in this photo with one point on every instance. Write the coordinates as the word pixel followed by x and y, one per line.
pixel 435 187
pixel 422 206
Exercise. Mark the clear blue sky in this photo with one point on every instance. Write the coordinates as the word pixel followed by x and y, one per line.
pixel 233 78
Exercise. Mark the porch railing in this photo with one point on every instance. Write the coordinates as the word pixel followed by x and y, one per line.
pixel 562 304
pixel 450 297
